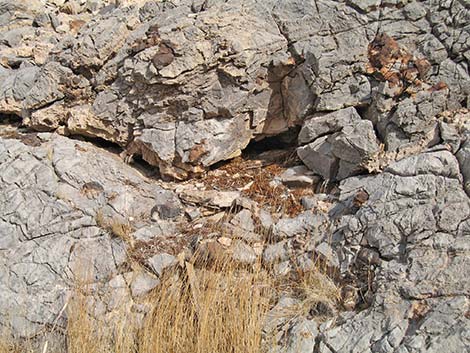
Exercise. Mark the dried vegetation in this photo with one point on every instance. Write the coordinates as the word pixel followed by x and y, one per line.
pixel 254 178
pixel 214 307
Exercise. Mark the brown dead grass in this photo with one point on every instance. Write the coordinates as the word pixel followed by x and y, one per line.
pixel 219 307
pixel 82 332
pixel 198 310
pixel 318 294
pixel 6 346
pixel 171 244
pixel 85 334
pixel 208 311
pixel 115 226
pixel 277 198
pixel 253 178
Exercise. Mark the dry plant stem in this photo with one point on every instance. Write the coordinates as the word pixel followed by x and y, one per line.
pixel 220 309
pixel 199 307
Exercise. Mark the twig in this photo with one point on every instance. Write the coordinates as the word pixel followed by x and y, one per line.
pixel 56 320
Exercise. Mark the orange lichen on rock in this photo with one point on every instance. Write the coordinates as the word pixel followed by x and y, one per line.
pixel 395 65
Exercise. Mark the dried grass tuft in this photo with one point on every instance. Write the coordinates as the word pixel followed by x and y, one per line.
pixel 208 310
pixel 115 226
pixel 198 307
pixel 7 346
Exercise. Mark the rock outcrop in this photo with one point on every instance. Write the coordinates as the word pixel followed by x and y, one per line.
pixel 188 85
pixel 63 203
pixel 378 93
pixel 338 144
pixel 411 236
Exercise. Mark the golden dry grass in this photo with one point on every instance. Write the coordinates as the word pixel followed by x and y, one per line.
pixel 193 310
pixel 10 345
pixel 6 346
pixel 217 308
pixel 208 311
pixel 85 334
pixel 317 293
pixel 115 226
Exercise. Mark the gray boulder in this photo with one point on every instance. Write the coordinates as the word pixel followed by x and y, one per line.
pixel 338 144
pixel 307 223
pixel 277 252
pixel 14 87
pixel 298 176
pixel 160 262
pixel 142 283
pixel 463 156
pixel 242 253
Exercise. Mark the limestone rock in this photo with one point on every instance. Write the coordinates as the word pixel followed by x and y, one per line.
pixel 298 176
pixel 167 207
pixel 415 215
pixel 338 144
pixel 305 223
pixel 315 127
pixel 160 262
pixel 301 338
pixel 276 253
pixel 244 221
pixel 14 87
pixel 57 200
pixel 186 91
pixel 242 253
pixel 142 284
pixel 463 156
pixel 49 118
pixel 189 83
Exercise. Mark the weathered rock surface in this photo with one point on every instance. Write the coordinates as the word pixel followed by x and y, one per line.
pixel 187 85
pixel 463 149
pixel 416 221
pixel 338 144
pixel 60 202
pixel 298 176
pixel 373 86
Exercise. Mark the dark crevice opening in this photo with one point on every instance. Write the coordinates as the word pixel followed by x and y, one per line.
pixel 362 111
pixel 10 119
pixel 280 149
pixel 15 63
pixel 145 168
pixel 135 161
pixel 285 140
pixel 11 127
pixel 99 142
pixel 464 103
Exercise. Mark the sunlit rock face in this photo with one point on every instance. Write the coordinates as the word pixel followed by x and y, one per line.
pixel 375 93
